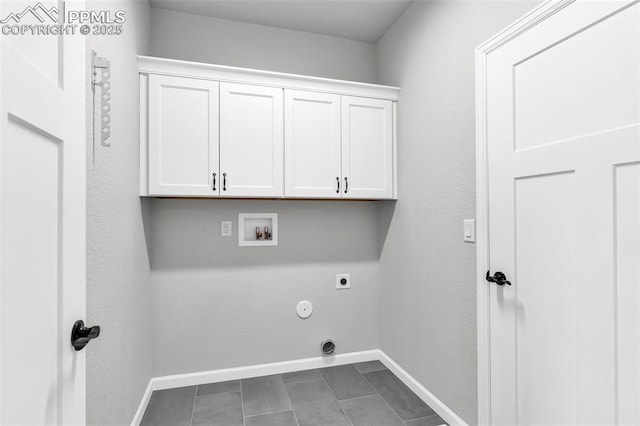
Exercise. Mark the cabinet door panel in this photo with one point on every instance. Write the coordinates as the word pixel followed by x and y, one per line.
pixel 367 148
pixel 251 140
pixel 312 144
pixel 183 136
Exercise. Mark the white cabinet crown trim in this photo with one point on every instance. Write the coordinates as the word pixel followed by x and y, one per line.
pixel 222 73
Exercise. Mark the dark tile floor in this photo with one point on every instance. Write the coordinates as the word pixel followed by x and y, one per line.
pixel 366 394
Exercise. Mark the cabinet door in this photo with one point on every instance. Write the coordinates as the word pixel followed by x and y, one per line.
pixel 312 144
pixel 251 141
pixel 367 148
pixel 183 136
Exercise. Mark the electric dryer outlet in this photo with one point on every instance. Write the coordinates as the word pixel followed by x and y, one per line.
pixel 343 281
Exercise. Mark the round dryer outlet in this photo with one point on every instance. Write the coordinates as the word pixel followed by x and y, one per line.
pixel 304 309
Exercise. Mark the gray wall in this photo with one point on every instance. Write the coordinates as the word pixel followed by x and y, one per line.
pixel 428 281
pixel 118 275
pixel 218 41
pixel 218 305
pixel 215 305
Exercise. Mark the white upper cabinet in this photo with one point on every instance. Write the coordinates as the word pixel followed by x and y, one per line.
pixel 251 141
pixel 312 145
pixel 216 131
pixel 367 148
pixel 183 136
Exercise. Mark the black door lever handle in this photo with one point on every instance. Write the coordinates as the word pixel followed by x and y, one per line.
pixel 498 278
pixel 81 335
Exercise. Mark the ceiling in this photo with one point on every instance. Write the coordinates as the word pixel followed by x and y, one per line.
pixel 363 20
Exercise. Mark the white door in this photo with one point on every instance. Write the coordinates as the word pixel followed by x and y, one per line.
pixel 251 141
pixel 42 223
pixel 563 132
pixel 183 136
pixel 367 148
pixel 312 144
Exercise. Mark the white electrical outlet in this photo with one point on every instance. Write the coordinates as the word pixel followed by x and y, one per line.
pixel 226 228
pixel 343 281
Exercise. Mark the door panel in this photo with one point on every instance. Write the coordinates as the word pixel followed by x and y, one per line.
pixel 545 308
pixel 183 136
pixel 31 236
pixel 563 117
pixel 566 103
pixel 367 149
pixel 627 275
pixel 251 141
pixel 312 144
pixel 42 223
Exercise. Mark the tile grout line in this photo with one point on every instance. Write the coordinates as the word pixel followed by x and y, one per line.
pixel 394 411
pixel 304 380
pixel 336 399
pixel 371 384
pixel 382 397
pixel 426 417
pixel 273 412
pixel 362 373
pixel 242 403
pixel 270 412
pixel 193 407
pixel 359 397
pixel 295 416
pixel 284 385
pixel 373 371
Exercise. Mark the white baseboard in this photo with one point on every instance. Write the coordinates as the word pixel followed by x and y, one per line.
pixel 430 399
pixel 213 376
pixel 143 404
pixel 237 373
